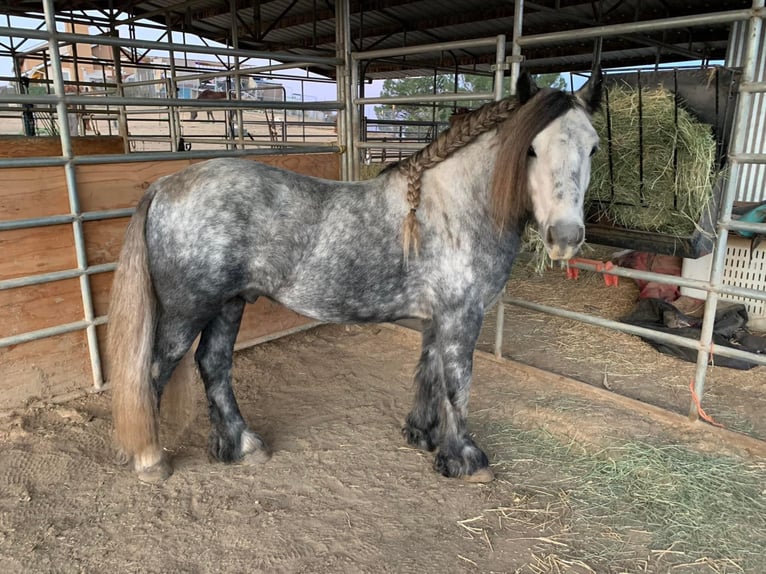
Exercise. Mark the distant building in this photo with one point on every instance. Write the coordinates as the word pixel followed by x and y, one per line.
pixel 94 63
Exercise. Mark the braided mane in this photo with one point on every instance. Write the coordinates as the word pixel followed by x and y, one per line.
pixel 465 129
pixel 508 196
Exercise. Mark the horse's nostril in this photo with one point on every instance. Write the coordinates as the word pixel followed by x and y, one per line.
pixel 580 235
pixel 549 236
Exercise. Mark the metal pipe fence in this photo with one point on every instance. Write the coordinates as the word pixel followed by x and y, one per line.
pixel 349 106
pixel 60 103
pixel 737 156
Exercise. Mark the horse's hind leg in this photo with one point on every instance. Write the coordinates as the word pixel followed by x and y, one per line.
pixel 173 338
pixel 230 439
pixel 421 429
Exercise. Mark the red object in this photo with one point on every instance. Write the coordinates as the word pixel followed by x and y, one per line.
pixel 656 263
pixel 609 279
pixel 601 267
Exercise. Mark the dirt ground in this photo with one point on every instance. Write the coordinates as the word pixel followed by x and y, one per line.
pixel 342 493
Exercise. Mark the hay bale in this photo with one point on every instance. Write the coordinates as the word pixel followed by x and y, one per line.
pixel 370 171
pixel 671 201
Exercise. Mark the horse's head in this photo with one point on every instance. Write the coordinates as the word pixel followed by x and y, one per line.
pixel 555 129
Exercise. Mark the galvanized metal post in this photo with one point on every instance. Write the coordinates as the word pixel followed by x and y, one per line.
pixel 122 118
pixel 518 19
pixel 724 219
pixel 343 76
pixel 500 67
pixel 173 118
pixel 354 112
pixel 238 85
pixel 74 203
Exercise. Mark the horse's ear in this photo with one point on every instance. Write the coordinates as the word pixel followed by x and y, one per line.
pixel 591 93
pixel 525 87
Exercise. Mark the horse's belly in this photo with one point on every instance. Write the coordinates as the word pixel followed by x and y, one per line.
pixel 325 302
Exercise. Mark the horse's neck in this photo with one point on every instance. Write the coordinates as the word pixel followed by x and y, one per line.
pixel 460 184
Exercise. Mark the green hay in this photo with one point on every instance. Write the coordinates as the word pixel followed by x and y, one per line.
pixel 691 183
pixel 370 171
pixel 640 501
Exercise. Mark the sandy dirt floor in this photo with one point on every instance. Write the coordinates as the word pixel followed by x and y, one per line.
pixel 342 493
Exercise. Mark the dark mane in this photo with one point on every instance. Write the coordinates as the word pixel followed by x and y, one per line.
pixel 509 200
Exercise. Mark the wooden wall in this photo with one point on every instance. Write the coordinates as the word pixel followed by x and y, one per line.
pixel 42 146
pixel 59 365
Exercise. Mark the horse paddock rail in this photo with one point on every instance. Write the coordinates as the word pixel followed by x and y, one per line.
pixel 78 228
pixel 43 347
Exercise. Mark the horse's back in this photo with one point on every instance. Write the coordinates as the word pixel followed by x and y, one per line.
pixel 231 227
pixel 213 224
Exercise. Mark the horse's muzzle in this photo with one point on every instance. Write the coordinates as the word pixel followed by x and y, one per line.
pixel 562 240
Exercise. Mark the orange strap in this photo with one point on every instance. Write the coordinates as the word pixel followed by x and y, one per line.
pixel 700 411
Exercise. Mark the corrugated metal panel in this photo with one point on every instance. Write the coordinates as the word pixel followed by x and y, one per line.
pixel 752 181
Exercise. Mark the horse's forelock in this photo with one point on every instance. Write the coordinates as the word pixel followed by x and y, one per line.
pixel 509 197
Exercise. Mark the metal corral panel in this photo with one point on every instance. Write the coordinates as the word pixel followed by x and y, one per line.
pixel 752 178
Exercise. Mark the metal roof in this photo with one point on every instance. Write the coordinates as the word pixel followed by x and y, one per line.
pixel 307 27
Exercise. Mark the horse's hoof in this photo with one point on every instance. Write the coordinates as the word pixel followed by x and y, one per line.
pixel 418 438
pixel 255 458
pixel 481 475
pixel 254 449
pixel 121 457
pixel 156 473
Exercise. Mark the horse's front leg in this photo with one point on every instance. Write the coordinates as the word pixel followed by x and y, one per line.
pixel 458 455
pixel 443 379
pixel 421 428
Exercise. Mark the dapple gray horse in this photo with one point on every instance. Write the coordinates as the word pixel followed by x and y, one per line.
pixel 433 238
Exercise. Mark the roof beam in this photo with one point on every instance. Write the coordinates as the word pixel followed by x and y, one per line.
pixel 426 24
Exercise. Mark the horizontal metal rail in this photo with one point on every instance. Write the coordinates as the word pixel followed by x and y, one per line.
pixel 255 143
pixel 635 330
pixel 163 46
pixel 370 144
pixel 62 219
pixel 751 226
pixel 756 87
pixel 422 49
pixel 642 26
pixel 429 98
pixel 239 72
pixel 49 332
pixel 755 158
pixel 75 99
pixel 731 290
pixel 138 157
pixel 55 276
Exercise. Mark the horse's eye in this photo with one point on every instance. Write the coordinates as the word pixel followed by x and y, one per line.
pixel 531 152
pixel 593 151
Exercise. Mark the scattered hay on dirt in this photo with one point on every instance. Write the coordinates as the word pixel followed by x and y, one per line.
pixel 687 508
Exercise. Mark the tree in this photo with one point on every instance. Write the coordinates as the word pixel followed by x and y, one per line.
pixel 412 86
pixel 443 83
pixel 487 83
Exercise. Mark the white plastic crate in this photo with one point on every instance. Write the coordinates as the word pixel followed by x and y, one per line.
pixel 740 270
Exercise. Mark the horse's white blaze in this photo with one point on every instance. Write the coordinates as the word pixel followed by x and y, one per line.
pixel 559 172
